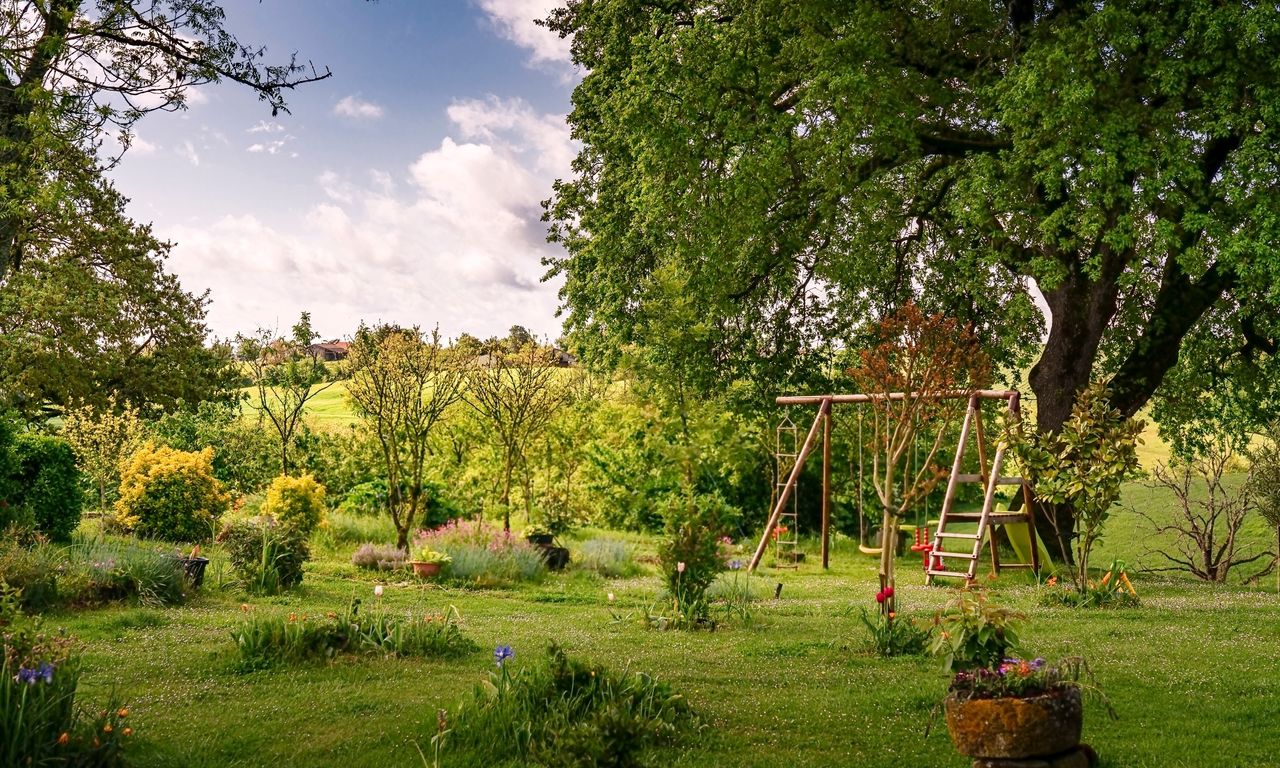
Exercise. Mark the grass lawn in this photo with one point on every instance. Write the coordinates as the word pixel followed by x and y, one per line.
pixel 1192 672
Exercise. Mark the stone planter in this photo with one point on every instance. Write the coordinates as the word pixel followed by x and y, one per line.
pixel 1048 724
pixel 425 570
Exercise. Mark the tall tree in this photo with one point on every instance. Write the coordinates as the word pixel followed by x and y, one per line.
pixel 800 166
pixel 92 312
pixel 517 393
pixel 401 385
pixel 72 69
pixel 85 305
pixel 287 374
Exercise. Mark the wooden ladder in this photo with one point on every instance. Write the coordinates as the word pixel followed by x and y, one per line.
pixel 991 478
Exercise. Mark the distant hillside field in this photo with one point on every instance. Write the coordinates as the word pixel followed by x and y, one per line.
pixel 329 409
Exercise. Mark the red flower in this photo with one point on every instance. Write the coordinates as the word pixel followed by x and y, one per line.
pixel 881 596
pixel 888 592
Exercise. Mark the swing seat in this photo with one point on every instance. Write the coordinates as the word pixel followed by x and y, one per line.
pixel 905 531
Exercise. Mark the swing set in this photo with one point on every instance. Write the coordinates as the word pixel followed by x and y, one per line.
pixel 956 545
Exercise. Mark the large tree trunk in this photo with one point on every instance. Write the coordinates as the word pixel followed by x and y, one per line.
pixel 1080 308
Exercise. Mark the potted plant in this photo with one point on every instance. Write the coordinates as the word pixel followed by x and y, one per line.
pixel 427 562
pixel 193 566
pixel 1000 707
pixel 539 535
pixel 543 537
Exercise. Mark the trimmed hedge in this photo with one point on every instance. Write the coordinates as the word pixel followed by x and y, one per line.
pixel 48 484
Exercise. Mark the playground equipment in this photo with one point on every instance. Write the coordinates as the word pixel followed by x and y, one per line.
pixel 787 535
pixel 952 524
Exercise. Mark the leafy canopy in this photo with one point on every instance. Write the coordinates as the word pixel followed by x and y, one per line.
pixel 788 169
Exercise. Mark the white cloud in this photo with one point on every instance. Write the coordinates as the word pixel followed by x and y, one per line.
pixel 188 151
pixel 454 238
pixel 355 107
pixel 140 147
pixel 514 20
pixel 271 146
pixel 264 126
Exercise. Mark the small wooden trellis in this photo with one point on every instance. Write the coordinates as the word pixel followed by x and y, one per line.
pixel 988 474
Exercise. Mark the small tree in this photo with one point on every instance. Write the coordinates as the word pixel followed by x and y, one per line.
pixel 1206 528
pixel 1082 465
pixel 100 437
pixel 926 357
pixel 517 393
pixel 1264 488
pixel 287 375
pixel 401 386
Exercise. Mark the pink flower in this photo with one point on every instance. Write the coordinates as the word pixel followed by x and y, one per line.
pixel 679 567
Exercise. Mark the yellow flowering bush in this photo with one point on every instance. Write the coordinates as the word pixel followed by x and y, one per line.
pixel 297 502
pixel 169 494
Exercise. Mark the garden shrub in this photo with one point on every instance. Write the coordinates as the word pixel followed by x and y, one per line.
pixel 32 571
pixel 99 436
pixel 971 632
pixel 566 713
pixel 610 558
pixel 344 528
pixel 246 456
pixel 48 484
pixel 691 554
pixel 1082 465
pixel 102 571
pixel 365 499
pixel 483 555
pixel 39 675
pixel 379 557
pixel 297 502
pixel 892 635
pixel 170 494
pixel 272 639
pixel 339 459
pixel 268 557
pixel 90 573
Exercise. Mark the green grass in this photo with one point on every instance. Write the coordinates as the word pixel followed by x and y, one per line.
pixel 1191 672
pixel 329 408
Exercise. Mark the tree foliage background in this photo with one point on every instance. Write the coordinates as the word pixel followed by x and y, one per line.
pixel 794 169
pixel 791 172
pixel 86 307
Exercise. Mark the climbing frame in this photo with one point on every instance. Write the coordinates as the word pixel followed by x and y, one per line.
pixel 965 547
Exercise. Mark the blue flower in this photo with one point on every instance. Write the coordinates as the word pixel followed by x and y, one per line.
pixel 502 653
pixel 26 675
pixel 735 565
pixel 45 671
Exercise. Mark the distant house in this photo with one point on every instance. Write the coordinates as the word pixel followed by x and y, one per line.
pixel 556 358
pixel 329 351
pixel 563 359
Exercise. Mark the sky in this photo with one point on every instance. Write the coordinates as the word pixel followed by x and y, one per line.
pixel 406 188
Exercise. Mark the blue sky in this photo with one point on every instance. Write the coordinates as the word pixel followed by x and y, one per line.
pixel 405 188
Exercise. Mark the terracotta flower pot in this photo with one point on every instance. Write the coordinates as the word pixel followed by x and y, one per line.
pixel 426 570
pixel 1035 726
